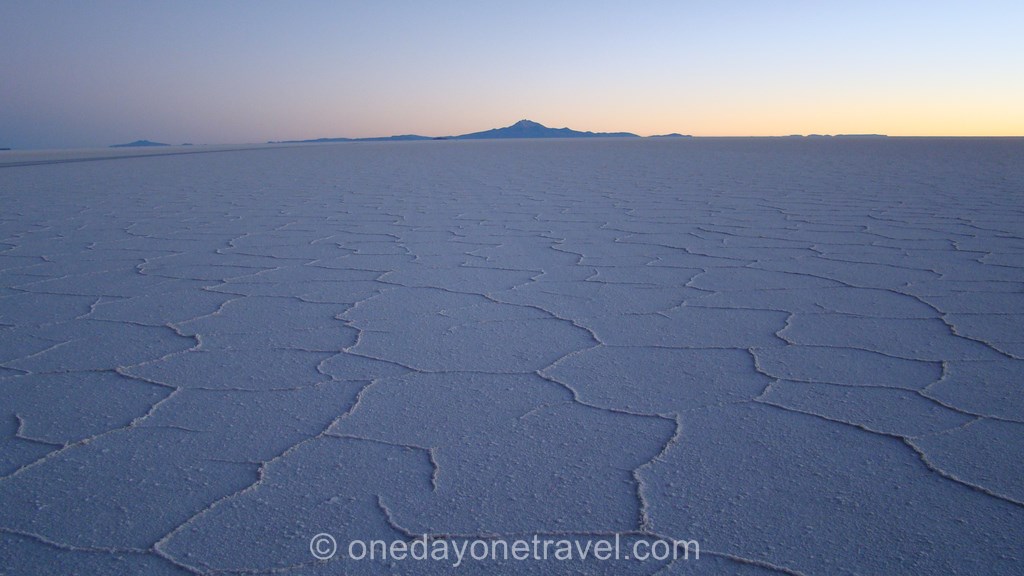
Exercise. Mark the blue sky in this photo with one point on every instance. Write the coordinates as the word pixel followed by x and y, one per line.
pixel 101 72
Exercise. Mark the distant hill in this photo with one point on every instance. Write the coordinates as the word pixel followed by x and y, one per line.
pixel 841 136
pixel 672 135
pixel 399 138
pixel 530 129
pixel 138 143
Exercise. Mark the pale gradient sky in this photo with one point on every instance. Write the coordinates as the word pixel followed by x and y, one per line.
pixel 93 73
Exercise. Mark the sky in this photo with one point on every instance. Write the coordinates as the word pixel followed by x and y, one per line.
pixel 96 72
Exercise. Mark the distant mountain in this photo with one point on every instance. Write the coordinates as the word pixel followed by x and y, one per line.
pixel 138 143
pixel 399 138
pixel 314 140
pixel 672 135
pixel 530 129
pixel 842 136
pixel 521 129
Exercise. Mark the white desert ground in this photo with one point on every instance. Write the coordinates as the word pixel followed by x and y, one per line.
pixel 805 354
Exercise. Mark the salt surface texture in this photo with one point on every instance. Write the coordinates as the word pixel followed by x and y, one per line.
pixel 805 355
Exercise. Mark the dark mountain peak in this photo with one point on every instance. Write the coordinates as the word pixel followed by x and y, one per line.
pixel 138 143
pixel 531 129
pixel 521 129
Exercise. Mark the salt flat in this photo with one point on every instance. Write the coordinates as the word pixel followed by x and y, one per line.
pixel 807 355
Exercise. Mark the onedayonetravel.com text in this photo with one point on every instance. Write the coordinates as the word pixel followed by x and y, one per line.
pixel 323 546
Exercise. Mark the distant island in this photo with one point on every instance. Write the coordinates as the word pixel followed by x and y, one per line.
pixel 854 136
pixel 531 129
pixel 521 129
pixel 403 137
pixel 138 143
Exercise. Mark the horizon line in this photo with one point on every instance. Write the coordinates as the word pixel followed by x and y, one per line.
pixel 520 125
pixel 392 139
